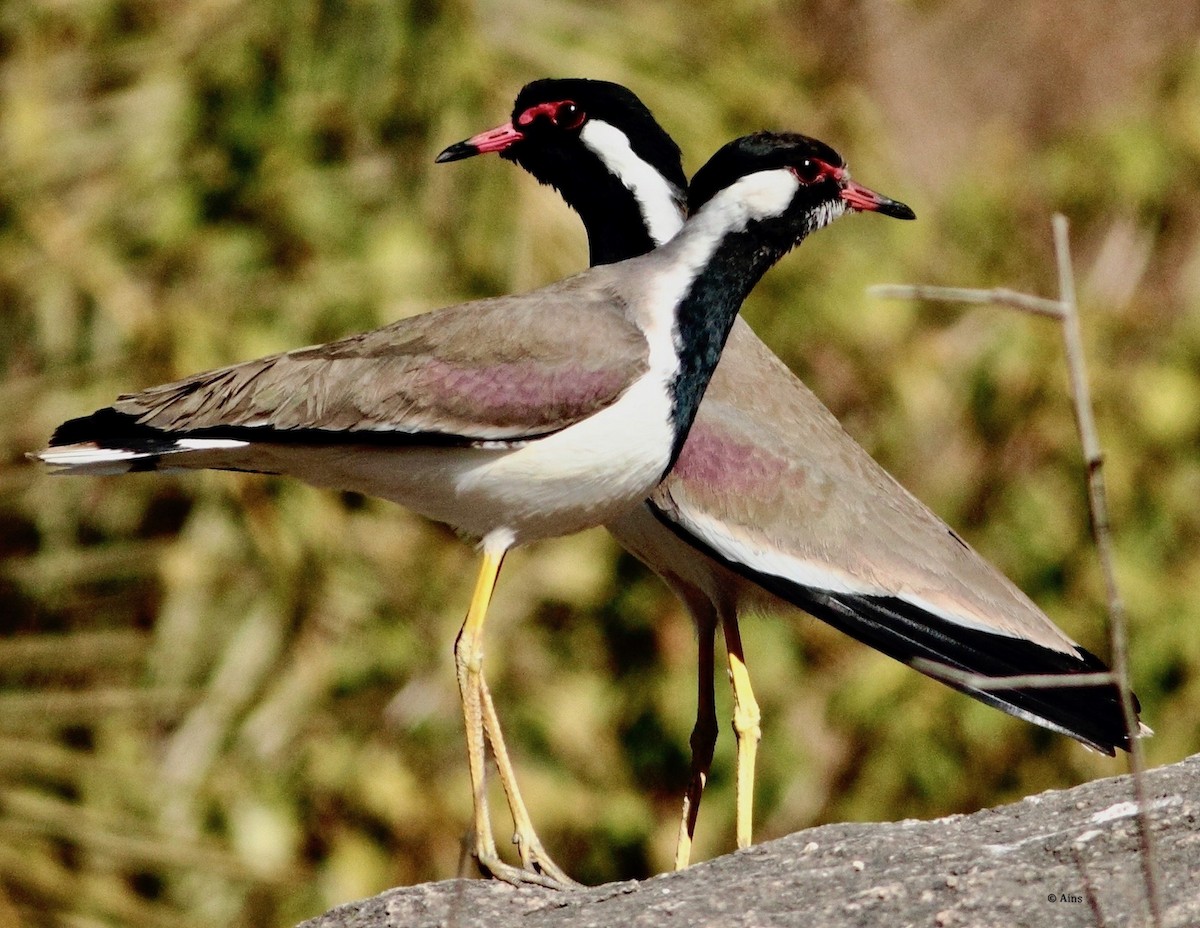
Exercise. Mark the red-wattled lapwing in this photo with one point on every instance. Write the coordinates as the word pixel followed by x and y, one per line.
pixel 512 419
pixel 770 490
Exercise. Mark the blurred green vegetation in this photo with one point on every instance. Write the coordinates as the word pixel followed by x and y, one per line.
pixel 229 700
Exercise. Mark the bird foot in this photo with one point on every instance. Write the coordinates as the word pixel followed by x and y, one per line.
pixel 535 860
pixel 536 872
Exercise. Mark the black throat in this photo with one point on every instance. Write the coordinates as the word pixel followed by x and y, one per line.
pixel 706 314
pixel 616 228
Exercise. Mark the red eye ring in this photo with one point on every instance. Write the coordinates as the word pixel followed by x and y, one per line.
pixel 809 171
pixel 563 114
pixel 812 170
pixel 568 115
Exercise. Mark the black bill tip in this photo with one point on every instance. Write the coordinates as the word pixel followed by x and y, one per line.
pixel 867 200
pixel 895 209
pixel 456 152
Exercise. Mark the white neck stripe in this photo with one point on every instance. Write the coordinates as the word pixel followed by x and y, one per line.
pixel 756 196
pixel 760 195
pixel 657 198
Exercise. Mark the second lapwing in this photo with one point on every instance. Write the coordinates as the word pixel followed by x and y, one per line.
pixel 770 493
pixel 511 419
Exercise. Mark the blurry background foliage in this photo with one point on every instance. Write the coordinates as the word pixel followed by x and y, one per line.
pixel 228 700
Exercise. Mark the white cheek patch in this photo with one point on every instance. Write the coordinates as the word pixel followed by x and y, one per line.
pixel 657 198
pixel 760 195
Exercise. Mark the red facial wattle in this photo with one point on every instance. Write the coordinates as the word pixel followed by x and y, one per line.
pixel 496 139
pixel 564 114
pixel 542 109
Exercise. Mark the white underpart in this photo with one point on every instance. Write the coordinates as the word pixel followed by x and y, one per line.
pixel 497 541
pixel 636 432
pixel 657 198
pixel 209 444
pixel 584 475
pixel 814 575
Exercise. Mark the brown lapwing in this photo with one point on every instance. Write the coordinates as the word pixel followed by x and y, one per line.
pixel 512 419
pixel 769 491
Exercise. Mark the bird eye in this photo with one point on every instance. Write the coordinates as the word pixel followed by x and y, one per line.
pixel 808 171
pixel 568 115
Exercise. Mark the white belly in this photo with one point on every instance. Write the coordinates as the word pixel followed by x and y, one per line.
pixel 583 476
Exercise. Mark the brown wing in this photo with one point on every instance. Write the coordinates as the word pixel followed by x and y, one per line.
pixel 770 485
pixel 501 369
pixel 785 477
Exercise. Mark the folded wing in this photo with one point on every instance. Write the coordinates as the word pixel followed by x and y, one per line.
pixel 502 370
pixel 827 529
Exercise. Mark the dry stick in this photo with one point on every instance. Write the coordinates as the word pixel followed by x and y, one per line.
pixel 1000 296
pixel 1065 309
pixel 1089 889
pixel 1098 500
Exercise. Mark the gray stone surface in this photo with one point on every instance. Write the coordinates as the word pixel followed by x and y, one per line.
pixel 1058 860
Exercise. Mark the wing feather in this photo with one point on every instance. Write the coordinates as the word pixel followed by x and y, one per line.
pixel 503 369
pixel 807 514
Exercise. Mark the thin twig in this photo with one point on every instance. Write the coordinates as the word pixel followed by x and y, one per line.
pixel 1089 890
pixel 1065 309
pixel 1098 501
pixel 999 296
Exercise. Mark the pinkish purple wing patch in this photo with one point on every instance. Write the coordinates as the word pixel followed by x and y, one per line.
pixel 520 394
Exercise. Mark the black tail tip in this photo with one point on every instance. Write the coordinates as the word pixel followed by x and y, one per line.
pixel 106 428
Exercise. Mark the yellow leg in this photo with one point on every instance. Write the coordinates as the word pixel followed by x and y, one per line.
pixel 468 665
pixel 703 740
pixel 533 855
pixel 479 716
pixel 746 718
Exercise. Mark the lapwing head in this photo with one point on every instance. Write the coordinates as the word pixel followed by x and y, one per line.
pixel 792 183
pixel 558 124
pixel 599 146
